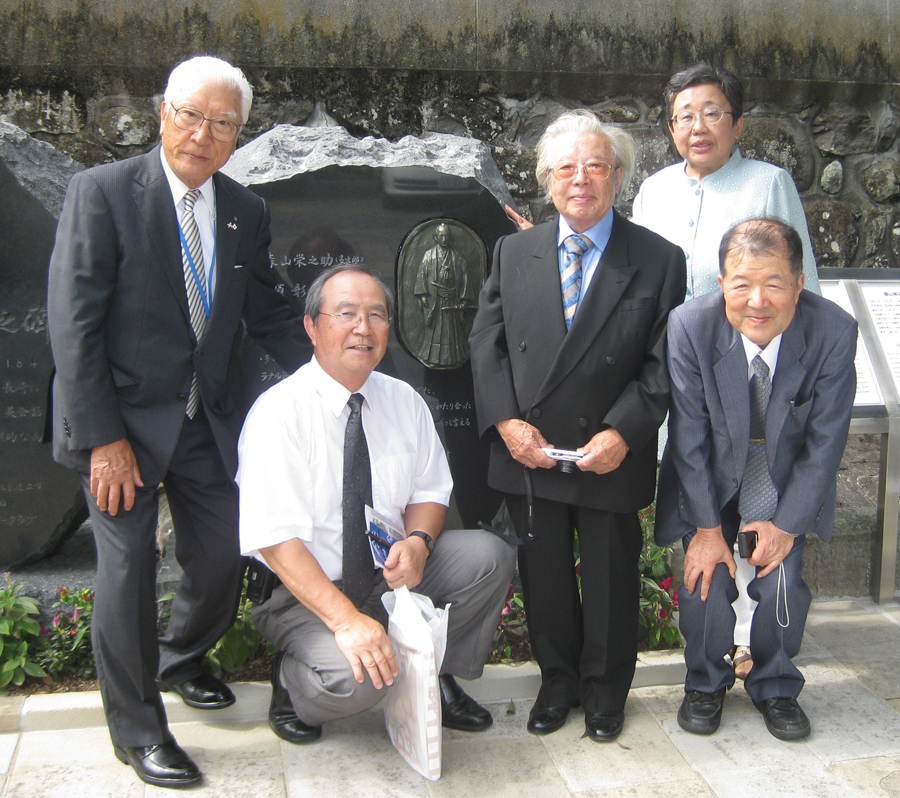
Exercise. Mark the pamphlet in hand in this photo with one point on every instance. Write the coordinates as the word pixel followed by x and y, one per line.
pixel 382 535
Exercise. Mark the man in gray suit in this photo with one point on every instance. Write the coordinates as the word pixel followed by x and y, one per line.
pixel 763 382
pixel 159 265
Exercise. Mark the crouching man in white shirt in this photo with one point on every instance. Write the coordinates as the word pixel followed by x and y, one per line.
pixel 301 513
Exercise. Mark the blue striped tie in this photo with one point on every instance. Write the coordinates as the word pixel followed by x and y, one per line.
pixel 570 274
pixel 195 302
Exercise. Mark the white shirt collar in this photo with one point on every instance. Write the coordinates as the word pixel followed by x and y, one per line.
pixel 334 395
pixel 769 354
pixel 179 189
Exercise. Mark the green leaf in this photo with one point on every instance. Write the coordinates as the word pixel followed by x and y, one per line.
pixel 35 670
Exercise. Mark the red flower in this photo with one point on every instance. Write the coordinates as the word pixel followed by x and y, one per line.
pixel 662 613
pixel 666 584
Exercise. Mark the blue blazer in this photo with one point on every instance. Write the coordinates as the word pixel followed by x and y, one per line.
pixel 119 321
pixel 709 418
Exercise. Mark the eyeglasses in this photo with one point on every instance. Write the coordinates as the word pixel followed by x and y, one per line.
pixel 710 116
pixel 598 170
pixel 350 319
pixel 220 129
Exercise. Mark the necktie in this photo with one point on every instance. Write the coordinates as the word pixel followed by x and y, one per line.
pixel 358 568
pixel 191 244
pixel 570 274
pixel 759 496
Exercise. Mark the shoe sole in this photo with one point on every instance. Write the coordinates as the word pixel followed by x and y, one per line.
pixel 460 727
pixel 710 729
pixel 148 779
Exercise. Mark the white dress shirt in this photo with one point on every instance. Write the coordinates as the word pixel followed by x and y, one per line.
pixel 695 214
pixel 204 216
pixel 769 355
pixel 291 454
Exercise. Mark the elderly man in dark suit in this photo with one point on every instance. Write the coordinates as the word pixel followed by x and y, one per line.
pixel 762 388
pixel 159 264
pixel 568 350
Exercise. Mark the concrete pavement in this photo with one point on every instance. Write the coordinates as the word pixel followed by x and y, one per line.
pixel 57 745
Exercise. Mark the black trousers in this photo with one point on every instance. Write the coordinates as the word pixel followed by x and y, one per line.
pixel 585 645
pixel 129 656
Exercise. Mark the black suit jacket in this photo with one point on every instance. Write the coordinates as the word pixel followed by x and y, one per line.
pixel 608 370
pixel 119 321
pixel 709 425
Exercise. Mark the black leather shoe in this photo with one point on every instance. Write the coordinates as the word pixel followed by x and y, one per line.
pixel 202 692
pixel 163 765
pixel 784 718
pixel 700 713
pixel 282 718
pixel 543 720
pixel 603 727
pixel 460 711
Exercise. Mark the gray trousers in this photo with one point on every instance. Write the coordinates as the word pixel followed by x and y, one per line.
pixel 469 569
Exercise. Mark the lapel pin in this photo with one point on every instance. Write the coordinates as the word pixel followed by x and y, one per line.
pixel 232 225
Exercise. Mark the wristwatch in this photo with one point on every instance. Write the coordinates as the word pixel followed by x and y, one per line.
pixel 429 541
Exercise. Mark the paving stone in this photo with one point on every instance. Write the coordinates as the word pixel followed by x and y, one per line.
pixel 60 764
pixel 695 789
pixel 496 768
pixel 873 777
pixel 11 713
pixel 642 754
pixel 8 744
pixel 354 759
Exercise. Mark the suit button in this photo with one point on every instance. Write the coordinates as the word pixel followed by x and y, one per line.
pixel 182 398
pixel 734 482
pixel 522 346
pixel 582 422
pixel 610 361
pixel 536 412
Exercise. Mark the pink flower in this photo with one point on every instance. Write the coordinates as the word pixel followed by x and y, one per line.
pixel 56 621
pixel 675 599
pixel 666 584
pixel 662 613
pixel 77 614
pixel 44 631
pixel 578 568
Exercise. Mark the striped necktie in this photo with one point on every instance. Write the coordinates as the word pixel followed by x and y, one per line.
pixel 759 496
pixel 195 301
pixel 570 274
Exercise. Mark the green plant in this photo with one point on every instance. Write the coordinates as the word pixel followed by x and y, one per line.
pixel 239 643
pixel 236 646
pixel 511 642
pixel 658 600
pixel 16 627
pixel 65 645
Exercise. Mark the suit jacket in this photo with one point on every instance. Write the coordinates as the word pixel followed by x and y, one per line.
pixel 608 370
pixel 119 321
pixel 709 422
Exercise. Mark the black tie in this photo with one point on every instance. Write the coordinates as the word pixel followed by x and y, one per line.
pixel 358 568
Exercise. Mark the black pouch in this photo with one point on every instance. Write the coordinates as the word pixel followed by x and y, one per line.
pixel 261 581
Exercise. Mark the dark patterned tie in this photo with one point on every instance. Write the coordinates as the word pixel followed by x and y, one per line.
pixel 358 568
pixel 759 496
pixel 195 302
pixel 570 274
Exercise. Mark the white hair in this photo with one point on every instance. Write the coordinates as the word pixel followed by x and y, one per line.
pixel 584 121
pixel 189 75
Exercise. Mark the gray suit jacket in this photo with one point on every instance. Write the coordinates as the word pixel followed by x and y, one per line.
pixel 709 420
pixel 608 370
pixel 119 322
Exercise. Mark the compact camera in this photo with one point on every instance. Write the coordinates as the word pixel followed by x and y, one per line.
pixel 565 457
pixel 747 543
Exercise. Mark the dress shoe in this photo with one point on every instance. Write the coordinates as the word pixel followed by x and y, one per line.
pixel 460 711
pixel 700 713
pixel 283 719
pixel 784 718
pixel 543 720
pixel 202 692
pixel 164 765
pixel 603 727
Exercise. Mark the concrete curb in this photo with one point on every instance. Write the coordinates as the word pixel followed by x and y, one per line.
pixel 59 711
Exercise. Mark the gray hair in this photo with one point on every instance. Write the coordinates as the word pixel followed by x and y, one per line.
pixel 314 295
pixel 189 75
pixel 584 121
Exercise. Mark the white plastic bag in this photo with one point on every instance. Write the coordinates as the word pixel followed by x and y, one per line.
pixel 418 633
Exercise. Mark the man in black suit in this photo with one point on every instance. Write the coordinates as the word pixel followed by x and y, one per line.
pixel 762 389
pixel 568 350
pixel 158 261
